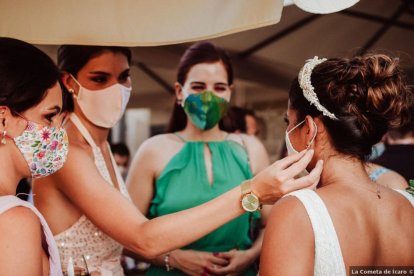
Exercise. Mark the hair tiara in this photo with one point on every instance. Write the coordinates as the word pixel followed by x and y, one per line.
pixel 304 78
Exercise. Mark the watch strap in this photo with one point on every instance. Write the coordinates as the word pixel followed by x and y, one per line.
pixel 246 187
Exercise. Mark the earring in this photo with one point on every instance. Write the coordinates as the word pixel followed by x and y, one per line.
pixel 179 101
pixel 4 132
pixel 3 137
pixel 71 91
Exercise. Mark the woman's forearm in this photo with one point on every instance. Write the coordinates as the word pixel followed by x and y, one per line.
pixel 173 231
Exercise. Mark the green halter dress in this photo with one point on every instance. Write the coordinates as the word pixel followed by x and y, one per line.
pixel 184 184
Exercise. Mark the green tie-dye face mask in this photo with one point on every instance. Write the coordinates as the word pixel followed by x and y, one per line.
pixel 205 109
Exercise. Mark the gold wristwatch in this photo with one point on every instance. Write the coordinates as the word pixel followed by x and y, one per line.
pixel 249 201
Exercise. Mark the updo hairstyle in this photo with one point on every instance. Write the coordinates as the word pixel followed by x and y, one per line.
pixel 368 94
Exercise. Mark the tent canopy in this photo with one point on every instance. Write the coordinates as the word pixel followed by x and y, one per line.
pixel 142 22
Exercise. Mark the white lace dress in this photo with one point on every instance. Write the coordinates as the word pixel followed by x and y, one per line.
pixel 328 255
pixel 83 241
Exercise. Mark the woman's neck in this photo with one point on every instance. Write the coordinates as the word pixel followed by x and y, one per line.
pixel 342 170
pixel 9 176
pixel 98 134
pixel 193 133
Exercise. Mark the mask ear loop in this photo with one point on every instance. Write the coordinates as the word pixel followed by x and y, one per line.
pixel 71 90
pixel 314 136
pixel 295 127
pixel 65 119
pixel 75 80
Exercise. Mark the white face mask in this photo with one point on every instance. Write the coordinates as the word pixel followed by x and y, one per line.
pixel 291 150
pixel 103 107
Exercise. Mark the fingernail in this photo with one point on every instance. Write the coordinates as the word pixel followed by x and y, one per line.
pixel 215 254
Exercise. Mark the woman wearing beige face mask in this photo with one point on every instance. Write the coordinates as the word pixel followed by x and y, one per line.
pixel 86 203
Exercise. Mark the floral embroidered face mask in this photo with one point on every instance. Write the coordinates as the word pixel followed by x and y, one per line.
pixel 44 148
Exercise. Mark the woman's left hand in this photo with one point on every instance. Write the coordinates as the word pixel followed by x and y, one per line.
pixel 239 261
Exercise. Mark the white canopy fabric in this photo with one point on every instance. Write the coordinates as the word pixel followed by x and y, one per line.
pixel 141 22
pixel 324 6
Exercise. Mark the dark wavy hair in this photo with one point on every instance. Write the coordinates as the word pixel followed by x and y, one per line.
pixel 26 73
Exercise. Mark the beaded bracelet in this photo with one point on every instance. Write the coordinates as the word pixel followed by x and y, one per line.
pixel 167 262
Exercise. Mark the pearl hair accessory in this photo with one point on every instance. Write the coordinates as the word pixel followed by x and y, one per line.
pixel 304 78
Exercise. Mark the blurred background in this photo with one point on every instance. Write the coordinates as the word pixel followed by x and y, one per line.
pixel 265 61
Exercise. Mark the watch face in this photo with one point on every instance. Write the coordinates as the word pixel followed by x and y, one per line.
pixel 250 203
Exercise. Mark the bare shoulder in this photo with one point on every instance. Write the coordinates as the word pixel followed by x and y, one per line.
pixel 393 180
pixel 290 209
pixel 153 155
pixel 19 222
pixel 389 178
pixel 78 155
pixel 258 156
pixel 160 140
pixel 289 216
pixel 244 139
pixel 288 238
pixel 20 242
pixel 159 146
pixel 400 202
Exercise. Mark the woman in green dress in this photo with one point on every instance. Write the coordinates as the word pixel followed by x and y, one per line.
pixel 197 163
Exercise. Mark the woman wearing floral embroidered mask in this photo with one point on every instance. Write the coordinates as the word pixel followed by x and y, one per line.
pixel 86 203
pixel 162 182
pixel 341 107
pixel 32 144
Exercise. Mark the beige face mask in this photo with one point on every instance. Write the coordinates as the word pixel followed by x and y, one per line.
pixel 103 107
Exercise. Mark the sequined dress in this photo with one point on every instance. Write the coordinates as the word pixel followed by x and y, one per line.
pixel 84 241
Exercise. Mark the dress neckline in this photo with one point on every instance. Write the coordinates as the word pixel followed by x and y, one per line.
pixel 97 151
pixel 201 141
